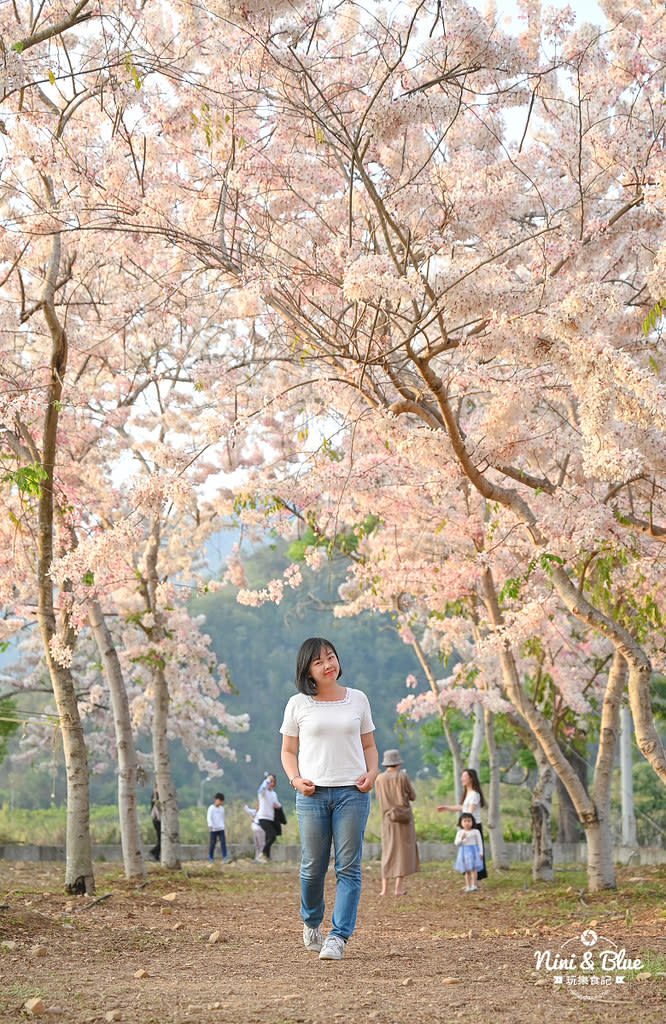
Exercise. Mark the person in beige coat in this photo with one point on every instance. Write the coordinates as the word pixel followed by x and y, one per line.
pixel 400 855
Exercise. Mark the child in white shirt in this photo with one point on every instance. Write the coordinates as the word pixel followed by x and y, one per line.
pixel 258 833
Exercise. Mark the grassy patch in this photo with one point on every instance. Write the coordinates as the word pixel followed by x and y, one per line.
pixel 654 963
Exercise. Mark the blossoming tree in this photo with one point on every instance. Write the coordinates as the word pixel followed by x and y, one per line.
pixel 456 234
pixel 81 321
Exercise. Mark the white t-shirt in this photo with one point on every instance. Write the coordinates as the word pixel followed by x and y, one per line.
pixel 268 801
pixel 472 805
pixel 471 837
pixel 330 752
pixel 215 818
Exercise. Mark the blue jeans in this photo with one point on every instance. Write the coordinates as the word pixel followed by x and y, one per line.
pixel 214 835
pixel 332 814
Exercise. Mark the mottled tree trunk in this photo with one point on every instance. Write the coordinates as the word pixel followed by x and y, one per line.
pixel 600 843
pixel 130 837
pixel 170 834
pixel 569 829
pixel 498 850
pixel 456 758
pixel 629 834
pixel 78 867
pixel 474 759
pixel 541 801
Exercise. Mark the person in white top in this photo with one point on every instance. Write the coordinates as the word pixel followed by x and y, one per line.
pixel 330 758
pixel 268 803
pixel 215 822
pixel 473 801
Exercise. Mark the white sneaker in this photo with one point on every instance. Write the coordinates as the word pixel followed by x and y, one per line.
pixel 333 948
pixel 312 938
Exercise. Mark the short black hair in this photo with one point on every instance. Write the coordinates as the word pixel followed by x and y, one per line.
pixel 219 796
pixel 466 814
pixel 308 651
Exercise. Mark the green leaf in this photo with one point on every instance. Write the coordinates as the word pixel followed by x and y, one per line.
pixel 511 589
pixel 656 313
pixel 28 479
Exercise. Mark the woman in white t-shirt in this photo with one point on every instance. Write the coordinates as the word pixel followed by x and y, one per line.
pixel 330 757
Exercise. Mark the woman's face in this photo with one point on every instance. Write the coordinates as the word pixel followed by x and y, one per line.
pixel 325 668
pixel 466 780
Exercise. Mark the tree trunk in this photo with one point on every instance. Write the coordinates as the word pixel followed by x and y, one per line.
pixel 456 757
pixel 601 870
pixel 170 834
pixel 568 825
pixel 130 837
pixel 540 806
pixel 474 759
pixel 79 876
pixel 451 739
pixel 78 867
pixel 598 875
pixel 498 850
pixel 629 835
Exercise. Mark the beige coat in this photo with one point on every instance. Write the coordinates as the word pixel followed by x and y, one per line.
pixel 400 855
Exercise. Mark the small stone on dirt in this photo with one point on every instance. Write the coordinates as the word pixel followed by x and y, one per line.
pixel 214 937
pixel 170 896
pixel 141 973
pixel 34 1006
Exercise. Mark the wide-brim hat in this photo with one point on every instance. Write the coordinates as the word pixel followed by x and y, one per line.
pixel 391 758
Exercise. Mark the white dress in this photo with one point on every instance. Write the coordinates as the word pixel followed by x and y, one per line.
pixel 470 850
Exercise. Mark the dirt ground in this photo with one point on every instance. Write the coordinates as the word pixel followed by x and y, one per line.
pixel 224 945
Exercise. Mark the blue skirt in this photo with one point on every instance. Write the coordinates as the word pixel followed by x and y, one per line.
pixel 468 858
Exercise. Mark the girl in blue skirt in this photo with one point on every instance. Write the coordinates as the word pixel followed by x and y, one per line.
pixel 470 851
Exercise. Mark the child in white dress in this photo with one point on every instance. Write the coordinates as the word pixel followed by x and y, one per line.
pixel 470 851
pixel 258 834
